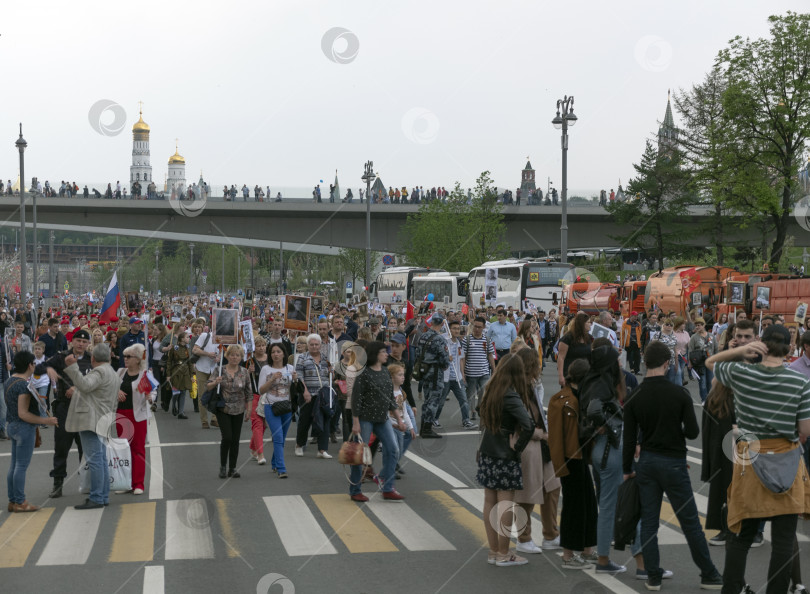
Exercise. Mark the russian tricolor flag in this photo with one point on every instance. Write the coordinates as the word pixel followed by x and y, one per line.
pixel 112 301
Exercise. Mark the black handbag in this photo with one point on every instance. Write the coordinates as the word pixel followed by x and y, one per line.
pixel 282 407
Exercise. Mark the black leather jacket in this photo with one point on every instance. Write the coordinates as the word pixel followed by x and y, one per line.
pixel 514 417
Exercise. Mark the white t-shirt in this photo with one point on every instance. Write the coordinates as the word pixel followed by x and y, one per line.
pixel 206 364
pixel 286 375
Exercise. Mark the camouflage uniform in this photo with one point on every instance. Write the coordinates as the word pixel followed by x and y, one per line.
pixel 437 357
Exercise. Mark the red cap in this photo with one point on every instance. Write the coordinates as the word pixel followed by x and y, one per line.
pixel 633 313
pixel 94 316
pixel 65 321
pixel 159 313
pixel 114 319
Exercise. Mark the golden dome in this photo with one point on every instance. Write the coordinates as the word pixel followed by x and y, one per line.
pixel 176 158
pixel 140 125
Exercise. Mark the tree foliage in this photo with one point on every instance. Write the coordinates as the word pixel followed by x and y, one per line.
pixel 767 116
pixel 460 233
pixel 659 216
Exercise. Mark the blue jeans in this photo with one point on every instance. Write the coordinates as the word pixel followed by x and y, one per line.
pixel 22 437
pixel 278 431
pixel 2 407
pixel 179 400
pixel 674 373
pixel 705 383
pixel 404 440
pixel 95 452
pixel 475 389
pixel 609 480
pixel 385 433
pixel 656 475
pixel 461 395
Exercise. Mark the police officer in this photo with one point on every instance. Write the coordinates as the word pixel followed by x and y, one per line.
pixel 432 348
pixel 63 440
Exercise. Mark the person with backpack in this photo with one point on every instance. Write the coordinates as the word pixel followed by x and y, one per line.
pixel 601 393
pixel 432 358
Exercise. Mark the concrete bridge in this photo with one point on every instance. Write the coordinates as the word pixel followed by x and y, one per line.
pixel 335 225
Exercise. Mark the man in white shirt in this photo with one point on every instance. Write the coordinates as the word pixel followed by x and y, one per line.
pixel 208 352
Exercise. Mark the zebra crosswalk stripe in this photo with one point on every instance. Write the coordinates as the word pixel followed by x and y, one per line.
pixel 72 539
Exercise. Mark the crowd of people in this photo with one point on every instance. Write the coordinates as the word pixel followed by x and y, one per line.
pixel 361 378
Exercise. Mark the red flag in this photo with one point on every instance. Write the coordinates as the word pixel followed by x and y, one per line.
pixel 409 313
pixel 690 280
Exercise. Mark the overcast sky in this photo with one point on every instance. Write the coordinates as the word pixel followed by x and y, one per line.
pixel 285 93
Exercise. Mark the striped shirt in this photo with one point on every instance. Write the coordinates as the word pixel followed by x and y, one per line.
pixel 768 400
pixel 474 350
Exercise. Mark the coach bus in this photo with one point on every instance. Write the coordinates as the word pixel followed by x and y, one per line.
pixel 538 281
pixel 395 284
pixel 446 287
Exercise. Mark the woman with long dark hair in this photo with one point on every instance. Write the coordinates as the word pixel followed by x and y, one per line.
pixel 575 344
pixel 508 428
pixel 716 467
pixel 274 384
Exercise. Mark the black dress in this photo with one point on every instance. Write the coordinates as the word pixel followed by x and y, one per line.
pixel 716 467
pixel 576 350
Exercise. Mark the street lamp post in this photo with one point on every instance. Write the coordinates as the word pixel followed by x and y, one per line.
pixel 51 279
pixel 21 146
pixel 35 290
pixel 157 273
pixel 191 267
pixel 223 270
pixel 565 117
pixel 368 177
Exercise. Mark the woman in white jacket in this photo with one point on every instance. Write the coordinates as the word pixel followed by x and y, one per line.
pixel 135 396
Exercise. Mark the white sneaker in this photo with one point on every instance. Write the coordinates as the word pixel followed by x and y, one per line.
pixel 552 545
pixel 528 547
pixel 299 451
pixel 262 461
pixel 137 491
pixel 323 455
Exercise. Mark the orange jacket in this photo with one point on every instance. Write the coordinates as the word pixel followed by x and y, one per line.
pixel 627 329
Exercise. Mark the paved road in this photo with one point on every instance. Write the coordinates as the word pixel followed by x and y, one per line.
pixel 194 532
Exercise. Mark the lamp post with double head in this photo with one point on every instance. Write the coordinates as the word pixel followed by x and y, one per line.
pixel 21 146
pixel 565 117
pixel 368 177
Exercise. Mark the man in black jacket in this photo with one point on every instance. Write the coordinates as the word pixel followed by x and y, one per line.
pixel 63 440
pixel 664 414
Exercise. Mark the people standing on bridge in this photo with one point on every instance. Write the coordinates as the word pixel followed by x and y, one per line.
pixel 236 390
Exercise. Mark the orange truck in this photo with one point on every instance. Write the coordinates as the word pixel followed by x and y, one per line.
pixel 764 293
pixel 591 297
pixel 631 297
pixel 665 290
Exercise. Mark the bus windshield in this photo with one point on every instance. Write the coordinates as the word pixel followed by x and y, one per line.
pixel 440 288
pixel 543 275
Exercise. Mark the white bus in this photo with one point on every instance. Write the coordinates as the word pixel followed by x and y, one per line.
pixel 538 280
pixel 395 284
pixel 446 287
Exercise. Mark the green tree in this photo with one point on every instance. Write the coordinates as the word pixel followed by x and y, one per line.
pixel 658 215
pixel 768 115
pixel 458 234
pixel 353 263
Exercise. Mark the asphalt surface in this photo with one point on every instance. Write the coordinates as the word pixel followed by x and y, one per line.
pixel 194 532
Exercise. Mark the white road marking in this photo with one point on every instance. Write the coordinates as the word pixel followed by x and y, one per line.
pixel 188 530
pixel 409 528
pixel 155 462
pixel 298 529
pixel 445 476
pixel 72 539
pixel 153 579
